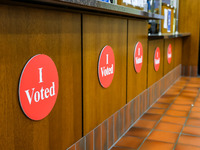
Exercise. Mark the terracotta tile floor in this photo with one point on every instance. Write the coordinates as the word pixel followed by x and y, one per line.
pixel 172 123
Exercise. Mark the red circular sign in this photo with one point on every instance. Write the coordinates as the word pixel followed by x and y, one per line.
pixel 106 66
pixel 157 59
pixel 169 54
pixel 138 57
pixel 38 87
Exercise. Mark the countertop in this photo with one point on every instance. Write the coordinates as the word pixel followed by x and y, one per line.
pixel 167 36
pixel 89 5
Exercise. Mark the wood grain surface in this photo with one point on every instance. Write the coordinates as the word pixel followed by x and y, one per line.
pixel 168 67
pixel 136 82
pixel 100 103
pixel 74 41
pixel 189 21
pixel 178 51
pixel 24 33
pixel 154 76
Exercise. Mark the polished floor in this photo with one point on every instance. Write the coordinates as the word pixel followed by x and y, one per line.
pixel 173 122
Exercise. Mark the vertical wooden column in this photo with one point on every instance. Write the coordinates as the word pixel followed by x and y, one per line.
pixel 99 103
pixel 168 67
pixel 154 76
pixel 24 33
pixel 136 82
pixel 178 51
pixel 189 21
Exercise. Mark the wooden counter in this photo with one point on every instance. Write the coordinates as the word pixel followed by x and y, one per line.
pixel 73 34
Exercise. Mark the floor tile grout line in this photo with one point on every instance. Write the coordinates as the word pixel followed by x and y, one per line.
pixel 168 122
pixel 161 141
pixel 165 110
pixel 125 147
pixel 162 114
pixel 127 130
pixel 172 122
pixel 176 104
pixel 157 108
pixel 145 111
pixel 186 120
pixel 175 116
pixel 191 145
pixel 193 125
pixel 156 129
pixel 138 119
pixel 191 135
pixel 165 131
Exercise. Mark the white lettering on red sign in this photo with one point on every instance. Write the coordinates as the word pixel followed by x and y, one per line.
pixel 106 71
pixel 38 87
pixel 138 57
pixel 40 74
pixel 169 54
pixel 157 59
pixel 106 66
pixel 41 94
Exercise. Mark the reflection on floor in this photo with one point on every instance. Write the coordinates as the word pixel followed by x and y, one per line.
pixel 173 122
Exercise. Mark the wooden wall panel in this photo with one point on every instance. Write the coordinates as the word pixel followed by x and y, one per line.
pixel 178 51
pixel 189 21
pixel 154 76
pixel 168 67
pixel 136 82
pixel 24 33
pixel 100 103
